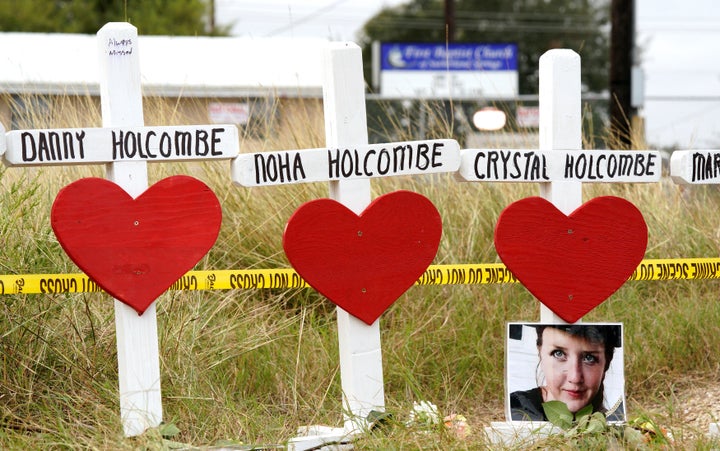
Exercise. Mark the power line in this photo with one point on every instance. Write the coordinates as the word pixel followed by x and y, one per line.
pixel 428 24
pixel 307 18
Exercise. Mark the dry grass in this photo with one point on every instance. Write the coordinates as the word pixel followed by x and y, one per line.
pixel 252 365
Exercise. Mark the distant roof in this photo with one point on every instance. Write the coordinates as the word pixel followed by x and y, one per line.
pixel 46 63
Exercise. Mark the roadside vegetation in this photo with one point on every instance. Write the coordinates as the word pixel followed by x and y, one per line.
pixel 248 367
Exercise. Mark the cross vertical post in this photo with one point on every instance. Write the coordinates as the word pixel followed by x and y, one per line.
pixel 361 370
pixel 560 129
pixel 347 163
pixel 136 335
pixel 3 141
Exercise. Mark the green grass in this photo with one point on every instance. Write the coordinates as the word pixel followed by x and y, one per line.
pixel 251 366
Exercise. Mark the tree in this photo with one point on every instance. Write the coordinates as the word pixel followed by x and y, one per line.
pixel 535 25
pixel 151 17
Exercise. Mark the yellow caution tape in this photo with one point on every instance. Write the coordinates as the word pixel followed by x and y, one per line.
pixel 465 274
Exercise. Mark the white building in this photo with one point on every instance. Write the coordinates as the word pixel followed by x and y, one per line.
pixel 206 78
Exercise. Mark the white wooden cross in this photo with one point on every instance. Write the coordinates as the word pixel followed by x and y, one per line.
pixel 560 165
pixel 3 143
pixel 348 163
pixel 125 146
pixel 697 167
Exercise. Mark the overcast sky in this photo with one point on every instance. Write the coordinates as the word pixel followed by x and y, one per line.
pixel 680 58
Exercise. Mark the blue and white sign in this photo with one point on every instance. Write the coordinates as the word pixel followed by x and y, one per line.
pixel 425 70
pixel 453 57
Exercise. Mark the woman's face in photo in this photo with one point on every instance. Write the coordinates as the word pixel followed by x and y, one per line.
pixel 573 368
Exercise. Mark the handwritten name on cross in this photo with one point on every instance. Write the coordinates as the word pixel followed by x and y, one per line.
pixel 348 163
pixel 695 167
pixel 527 165
pixel 114 144
pixel 560 165
pixel 356 162
pixel 125 145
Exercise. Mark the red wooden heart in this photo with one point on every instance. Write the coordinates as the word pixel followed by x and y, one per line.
pixel 363 263
pixel 571 263
pixel 135 249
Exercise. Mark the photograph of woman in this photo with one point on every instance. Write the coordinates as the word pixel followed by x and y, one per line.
pixel 578 364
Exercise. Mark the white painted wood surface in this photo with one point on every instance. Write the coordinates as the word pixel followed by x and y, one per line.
pixel 137 342
pixel 361 370
pixel 695 167
pixel 112 144
pixel 560 129
pixel 346 163
pixel 3 141
pixel 587 166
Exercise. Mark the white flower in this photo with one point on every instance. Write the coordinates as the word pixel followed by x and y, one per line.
pixel 424 413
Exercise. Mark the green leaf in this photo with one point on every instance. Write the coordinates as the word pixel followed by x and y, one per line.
pixel 584 412
pixel 597 423
pixel 558 414
pixel 168 430
pixel 227 443
pixel 633 437
pixel 379 419
pixel 170 444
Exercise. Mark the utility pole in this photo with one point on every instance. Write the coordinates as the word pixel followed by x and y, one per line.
pixel 211 14
pixel 449 39
pixel 622 43
pixel 450 20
